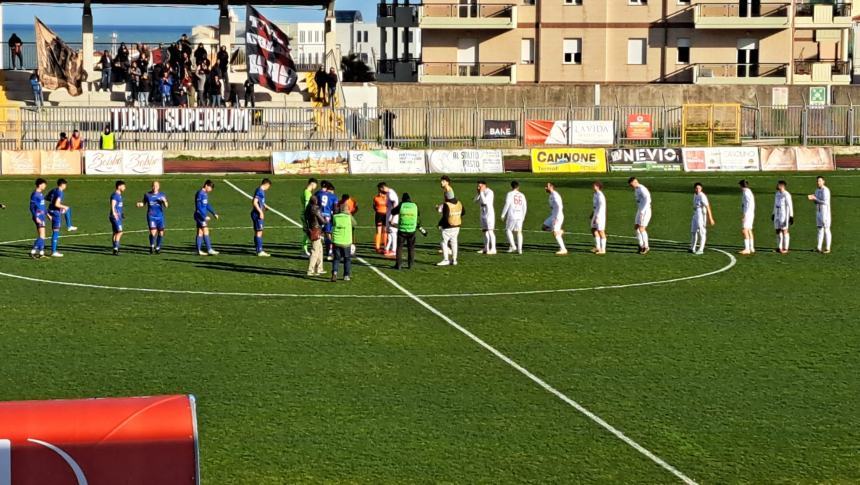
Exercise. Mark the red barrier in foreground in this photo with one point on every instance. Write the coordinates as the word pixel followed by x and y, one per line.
pixel 129 441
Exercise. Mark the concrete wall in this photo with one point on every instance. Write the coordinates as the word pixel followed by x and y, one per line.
pixel 392 95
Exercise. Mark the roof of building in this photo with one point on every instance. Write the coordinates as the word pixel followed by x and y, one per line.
pixel 197 2
pixel 347 16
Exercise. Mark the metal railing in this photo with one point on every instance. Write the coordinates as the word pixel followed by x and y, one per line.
pixel 275 129
pixel 717 70
pixel 466 11
pixel 736 10
pixel 836 66
pixel 481 69
pixel 808 9
pixel 387 66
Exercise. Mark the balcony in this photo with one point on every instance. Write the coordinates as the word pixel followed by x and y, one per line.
pixel 822 16
pixel 459 73
pixel 742 16
pixel 719 74
pixel 400 16
pixel 822 71
pixel 398 70
pixel 467 16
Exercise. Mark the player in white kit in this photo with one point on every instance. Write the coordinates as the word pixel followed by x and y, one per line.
pixel 598 218
pixel 514 213
pixel 783 216
pixel 702 216
pixel 643 213
pixel 821 198
pixel 391 221
pixel 485 198
pixel 747 217
pixel 555 220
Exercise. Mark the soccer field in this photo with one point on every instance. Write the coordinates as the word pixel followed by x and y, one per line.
pixel 622 368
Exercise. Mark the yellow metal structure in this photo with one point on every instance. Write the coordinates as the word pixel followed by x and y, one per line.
pixel 703 124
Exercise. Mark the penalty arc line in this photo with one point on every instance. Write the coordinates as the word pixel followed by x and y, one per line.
pixel 507 360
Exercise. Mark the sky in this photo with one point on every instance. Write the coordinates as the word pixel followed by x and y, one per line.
pixel 116 15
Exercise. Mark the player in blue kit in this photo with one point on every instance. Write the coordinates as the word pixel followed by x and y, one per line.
pixel 258 216
pixel 39 213
pixel 67 214
pixel 116 214
pixel 202 211
pixel 328 201
pixel 56 209
pixel 155 202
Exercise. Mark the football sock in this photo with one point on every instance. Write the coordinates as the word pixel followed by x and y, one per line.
pixel 208 243
pixel 151 240
pixel 258 244
pixel 199 242
pixel 820 238
pixel 511 239
pixel 55 238
pixel 645 239
pixel 520 241
pixel 158 240
pixel 492 240
pixel 68 217
pixel 560 241
pixel 828 236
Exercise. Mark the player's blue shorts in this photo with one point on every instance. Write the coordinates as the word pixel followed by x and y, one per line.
pixel 115 224
pixel 201 222
pixel 258 223
pixel 39 220
pixel 326 228
pixel 56 220
pixel 155 223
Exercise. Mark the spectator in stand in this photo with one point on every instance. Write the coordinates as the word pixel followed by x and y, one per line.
pixel 188 85
pixel 223 61
pixel 174 55
pixel 216 88
pixel 76 143
pixel 16 50
pixel 182 97
pixel 200 55
pixel 331 86
pixel 106 64
pixel 143 90
pixel 36 84
pixel 185 45
pixel 165 89
pixel 122 62
pixel 234 96
pixel 185 65
pixel 320 79
pixel 142 58
pixel 249 93
pixel 134 82
pixel 202 78
pixel 63 143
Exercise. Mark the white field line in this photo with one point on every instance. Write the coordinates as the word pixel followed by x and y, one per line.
pixel 504 358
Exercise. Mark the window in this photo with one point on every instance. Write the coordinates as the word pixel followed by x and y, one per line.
pixel 683 50
pixel 637 2
pixel 528 51
pixel 407 36
pixel 301 37
pixel 365 37
pixel 572 49
pixel 636 51
pixel 573 2
pixel 358 36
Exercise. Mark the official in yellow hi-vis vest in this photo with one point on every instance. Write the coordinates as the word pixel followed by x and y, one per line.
pixel 107 140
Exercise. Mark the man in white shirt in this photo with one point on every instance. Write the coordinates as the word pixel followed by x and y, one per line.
pixel 514 213
pixel 598 218
pixel 555 220
pixel 821 198
pixel 782 216
pixel 747 217
pixel 702 216
pixel 391 223
pixel 643 213
pixel 485 199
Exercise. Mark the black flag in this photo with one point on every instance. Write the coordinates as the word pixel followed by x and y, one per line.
pixel 60 66
pixel 268 52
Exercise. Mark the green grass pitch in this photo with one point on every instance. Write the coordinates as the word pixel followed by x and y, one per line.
pixel 748 375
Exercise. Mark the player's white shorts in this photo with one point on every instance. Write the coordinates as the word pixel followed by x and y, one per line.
pixel 697 223
pixel 747 221
pixel 643 218
pixel 558 222
pixel 515 225
pixel 488 221
pixel 822 220
pixel 598 223
pixel 780 223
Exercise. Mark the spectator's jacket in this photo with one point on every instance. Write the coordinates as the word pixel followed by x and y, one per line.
pixel 313 217
pixel 35 84
pixel 165 86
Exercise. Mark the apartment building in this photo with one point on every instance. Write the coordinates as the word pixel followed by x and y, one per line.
pixel 640 41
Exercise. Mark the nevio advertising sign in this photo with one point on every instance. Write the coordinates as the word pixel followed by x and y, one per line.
pixel 171 120
pixel 568 160
pixel 500 129
pixel 646 159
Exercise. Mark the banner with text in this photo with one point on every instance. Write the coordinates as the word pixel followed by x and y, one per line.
pixel 387 161
pixel 465 161
pixel 589 133
pixel 500 129
pixel 723 159
pixel 172 120
pixel 814 159
pixel 568 160
pixel 26 162
pixel 123 162
pixel 645 159
pixel 60 162
pixel 640 126
pixel 308 162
